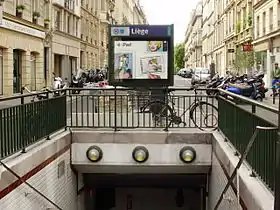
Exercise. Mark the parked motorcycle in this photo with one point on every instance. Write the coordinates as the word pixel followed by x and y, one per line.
pixel 260 84
pixel 215 82
pixel 247 89
pixel 275 86
pixel 78 81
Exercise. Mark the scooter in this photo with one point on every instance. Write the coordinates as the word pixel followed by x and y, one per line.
pixel 214 83
pixel 260 84
pixel 248 89
pixel 275 86
pixel 78 81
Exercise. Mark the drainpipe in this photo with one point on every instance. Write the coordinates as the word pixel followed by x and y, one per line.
pixel 1 11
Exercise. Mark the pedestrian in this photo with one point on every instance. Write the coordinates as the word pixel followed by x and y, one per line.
pixel 275 79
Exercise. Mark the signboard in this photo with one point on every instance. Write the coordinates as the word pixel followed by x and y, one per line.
pixel 247 47
pixel 141 55
pixel 22 29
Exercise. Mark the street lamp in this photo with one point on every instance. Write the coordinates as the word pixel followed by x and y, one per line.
pixel 94 154
pixel 187 154
pixel 140 154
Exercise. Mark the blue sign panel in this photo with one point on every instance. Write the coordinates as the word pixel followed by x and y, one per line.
pixel 141 55
pixel 141 31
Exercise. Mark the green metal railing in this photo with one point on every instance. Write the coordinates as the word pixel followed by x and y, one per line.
pixel 25 124
pixel 238 123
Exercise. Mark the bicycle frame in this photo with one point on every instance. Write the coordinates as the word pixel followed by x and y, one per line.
pixel 196 100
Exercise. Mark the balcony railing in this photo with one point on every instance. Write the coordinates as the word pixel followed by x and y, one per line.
pixel 24 122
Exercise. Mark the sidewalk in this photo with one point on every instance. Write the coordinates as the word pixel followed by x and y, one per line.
pixel 269 100
pixel 16 102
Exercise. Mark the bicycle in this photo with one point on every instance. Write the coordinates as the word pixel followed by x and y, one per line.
pixel 161 109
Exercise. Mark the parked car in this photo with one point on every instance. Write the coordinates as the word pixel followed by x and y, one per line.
pixel 200 76
pixel 186 72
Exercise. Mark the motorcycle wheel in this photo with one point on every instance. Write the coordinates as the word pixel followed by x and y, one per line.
pixel 262 94
pixel 208 92
pixel 259 98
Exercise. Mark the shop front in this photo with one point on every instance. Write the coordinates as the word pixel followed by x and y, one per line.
pixel 66 55
pixel 21 58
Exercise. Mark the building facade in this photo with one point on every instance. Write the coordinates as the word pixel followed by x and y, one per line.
pixel 267 35
pixel 193 39
pixel 129 12
pixel 229 26
pixel 207 32
pixel 22 35
pixel 139 17
pixel 63 41
pixel 42 37
pixel 95 17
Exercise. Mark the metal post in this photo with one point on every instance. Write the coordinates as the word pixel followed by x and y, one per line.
pixel 115 111
pixel 277 171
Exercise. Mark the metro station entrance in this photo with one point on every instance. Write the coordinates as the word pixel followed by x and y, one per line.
pixel 145 192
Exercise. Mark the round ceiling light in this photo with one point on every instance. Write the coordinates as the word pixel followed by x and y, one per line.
pixel 94 153
pixel 187 154
pixel 140 154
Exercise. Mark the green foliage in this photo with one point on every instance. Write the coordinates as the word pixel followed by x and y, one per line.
pixel 20 7
pixel 246 60
pixel 243 60
pixel 238 26
pixel 244 23
pixel 179 56
pixel 250 19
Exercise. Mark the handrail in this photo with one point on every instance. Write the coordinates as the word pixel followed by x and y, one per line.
pixel 29 185
pixel 243 157
pixel 249 101
pixel 243 98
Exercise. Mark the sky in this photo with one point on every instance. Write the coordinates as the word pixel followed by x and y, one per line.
pixel 165 12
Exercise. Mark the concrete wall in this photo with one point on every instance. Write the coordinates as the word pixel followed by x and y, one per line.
pixel 46 167
pixel 152 198
pixel 253 193
pixel 218 181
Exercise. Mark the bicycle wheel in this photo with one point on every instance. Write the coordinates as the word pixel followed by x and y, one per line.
pixel 206 119
pixel 160 111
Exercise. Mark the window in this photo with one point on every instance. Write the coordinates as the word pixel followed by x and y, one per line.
pixel 1 71
pixel 34 5
pixel 258 26
pixel 65 22
pixel 264 23
pixel 77 27
pixel 271 19
pixel 69 25
pixel 69 4
pixel 57 21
